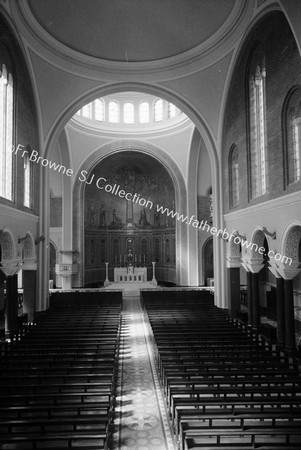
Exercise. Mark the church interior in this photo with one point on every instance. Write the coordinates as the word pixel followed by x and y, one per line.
pixel 150 224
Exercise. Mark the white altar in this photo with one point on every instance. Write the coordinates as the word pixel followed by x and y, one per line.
pixel 130 274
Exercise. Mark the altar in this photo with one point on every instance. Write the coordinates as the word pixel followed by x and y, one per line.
pixel 130 274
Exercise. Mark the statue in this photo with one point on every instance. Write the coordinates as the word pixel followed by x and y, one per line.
pixel 130 258
pixel 92 214
pixel 102 216
pixel 143 221
pixel 156 220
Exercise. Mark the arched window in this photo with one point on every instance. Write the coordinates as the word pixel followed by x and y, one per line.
pixel 293 137
pixel 144 112
pixel 258 140
pixel 171 110
pixel 128 113
pixel 6 133
pixel 113 112
pixel 99 109
pixel 87 111
pixel 158 110
pixel 27 180
pixel 233 176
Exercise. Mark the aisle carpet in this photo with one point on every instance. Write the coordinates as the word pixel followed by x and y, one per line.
pixel 141 421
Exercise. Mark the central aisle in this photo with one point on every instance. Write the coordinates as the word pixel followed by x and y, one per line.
pixel 141 421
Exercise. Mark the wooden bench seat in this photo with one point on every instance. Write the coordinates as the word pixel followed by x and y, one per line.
pixel 291 435
pixel 175 385
pixel 188 428
pixel 99 440
pixel 55 351
pixel 60 388
pixel 44 425
pixel 59 410
pixel 240 413
pixel 239 420
pixel 232 404
pixel 225 392
pixel 63 368
pixel 106 359
pixel 56 398
pixel 49 378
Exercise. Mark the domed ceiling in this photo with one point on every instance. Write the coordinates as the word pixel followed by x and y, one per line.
pixel 133 30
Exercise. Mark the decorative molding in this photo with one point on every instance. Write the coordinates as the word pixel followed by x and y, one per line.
pixel 264 207
pixel 66 270
pixel 268 233
pixel 292 243
pixel 17 214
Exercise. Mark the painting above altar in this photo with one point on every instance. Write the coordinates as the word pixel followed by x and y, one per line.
pixel 131 186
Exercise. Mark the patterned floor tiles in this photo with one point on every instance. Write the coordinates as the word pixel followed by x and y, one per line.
pixel 141 421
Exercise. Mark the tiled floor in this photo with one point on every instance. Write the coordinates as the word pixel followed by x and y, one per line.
pixel 141 421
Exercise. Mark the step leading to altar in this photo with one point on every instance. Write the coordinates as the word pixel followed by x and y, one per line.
pixel 130 289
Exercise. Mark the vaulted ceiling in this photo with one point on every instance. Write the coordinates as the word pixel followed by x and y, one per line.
pixel 135 30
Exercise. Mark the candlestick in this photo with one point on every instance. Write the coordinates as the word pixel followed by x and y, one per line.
pixel 107 282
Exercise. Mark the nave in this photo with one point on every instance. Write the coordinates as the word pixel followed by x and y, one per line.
pixel 167 371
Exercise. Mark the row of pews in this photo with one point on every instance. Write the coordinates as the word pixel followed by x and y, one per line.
pixel 225 388
pixel 57 383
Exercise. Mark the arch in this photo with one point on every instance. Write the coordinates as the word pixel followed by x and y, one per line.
pixel 176 177
pixel 233 169
pixel 8 245
pixel 158 110
pixel 99 109
pixel 233 249
pixel 144 112
pixel 128 113
pixel 29 248
pixel 53 252
pixel 209 141
pixel 290 120
pixel 113 111
pixel 290 241
pixel 257 240
pixel 208 259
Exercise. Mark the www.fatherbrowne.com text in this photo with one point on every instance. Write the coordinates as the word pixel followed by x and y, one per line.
pixel 101 184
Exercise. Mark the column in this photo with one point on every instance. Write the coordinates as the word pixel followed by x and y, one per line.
pixel 255 300
pixel 2 283
pixel 280 311
pixel 250 298
pixel 287 321
pixel 29 294
pixel 254 266
pixel 234 291
pixel 11 306
pixel 67 267
pixel 289 316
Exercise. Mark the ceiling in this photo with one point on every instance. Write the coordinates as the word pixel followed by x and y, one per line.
pixel 134 30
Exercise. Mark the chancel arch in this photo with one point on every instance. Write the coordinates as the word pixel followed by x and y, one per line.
pixel 137 169
pixel 127 196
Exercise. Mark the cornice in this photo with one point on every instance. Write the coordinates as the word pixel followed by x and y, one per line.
pixel 264 207
pixel 18 214
pixel 132 132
